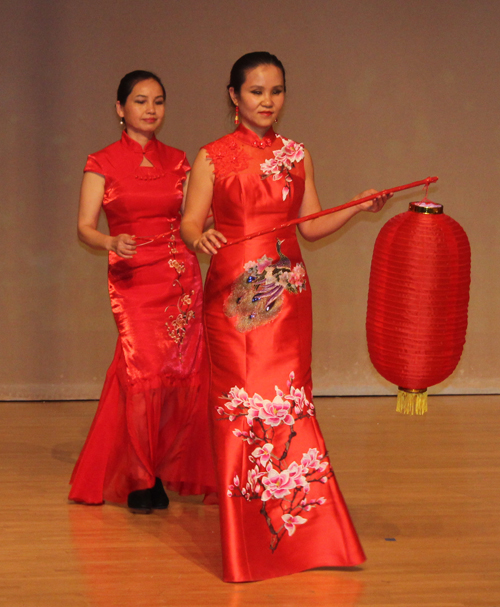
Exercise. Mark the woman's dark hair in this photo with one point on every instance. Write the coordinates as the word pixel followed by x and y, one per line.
pixel 249 62
pixel 128 82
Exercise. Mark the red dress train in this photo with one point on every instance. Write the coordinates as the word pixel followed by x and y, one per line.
pixel 280 506
pixel 152 418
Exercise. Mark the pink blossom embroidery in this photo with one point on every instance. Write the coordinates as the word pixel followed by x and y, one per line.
pixel 283 485
pixel 248 437
pixel 292 521
pixel 263 454
pixel 254 476
pixel 275 412
pixel 271 167
pixel 255 405
pixel 297 277
pixel 258 266
pixel 297 474
pixel 312 459
pixel 283 162
pixel 277 484
pixel 299 398
pixel 238 396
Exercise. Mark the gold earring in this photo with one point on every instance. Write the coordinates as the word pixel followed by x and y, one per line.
pixel 237 116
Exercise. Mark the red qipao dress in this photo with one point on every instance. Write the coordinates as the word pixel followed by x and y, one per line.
pixel 152 418
pixel 280 506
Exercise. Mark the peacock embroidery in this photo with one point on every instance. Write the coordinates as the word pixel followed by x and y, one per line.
pixel 257 295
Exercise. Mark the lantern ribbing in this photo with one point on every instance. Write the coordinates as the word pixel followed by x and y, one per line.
pixel 417 302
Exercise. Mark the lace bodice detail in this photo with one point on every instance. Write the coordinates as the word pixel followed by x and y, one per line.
pixel 228 156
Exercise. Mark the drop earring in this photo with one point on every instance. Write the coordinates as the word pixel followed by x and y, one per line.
pixel 237 116
pixel 122 121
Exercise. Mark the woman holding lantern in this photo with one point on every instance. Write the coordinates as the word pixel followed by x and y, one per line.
pixel 281 508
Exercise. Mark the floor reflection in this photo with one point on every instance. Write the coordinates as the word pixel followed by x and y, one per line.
pixel 173 558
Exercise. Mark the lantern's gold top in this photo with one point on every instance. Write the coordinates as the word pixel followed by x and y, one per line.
pixel 427 207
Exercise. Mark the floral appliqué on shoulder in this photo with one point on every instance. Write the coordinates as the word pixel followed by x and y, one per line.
pixel 282 487
pixel 178 322
pixel 228 156
pixel 283 162
pixel 256 297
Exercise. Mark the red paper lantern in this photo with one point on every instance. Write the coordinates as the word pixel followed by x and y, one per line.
pixel 417 301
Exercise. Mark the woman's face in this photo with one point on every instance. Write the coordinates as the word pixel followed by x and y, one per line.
pixel 144 109
pixel 261 98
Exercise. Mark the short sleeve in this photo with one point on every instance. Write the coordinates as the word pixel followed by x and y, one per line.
pixel 93 165
pixel 186 167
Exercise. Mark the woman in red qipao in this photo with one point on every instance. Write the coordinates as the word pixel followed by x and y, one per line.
pixel 281 509
pixel 151 426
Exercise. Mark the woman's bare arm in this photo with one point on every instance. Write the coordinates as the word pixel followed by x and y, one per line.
pixel 328 224
pixel 91 197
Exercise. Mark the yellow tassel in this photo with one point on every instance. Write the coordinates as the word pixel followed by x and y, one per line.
pixel 411 402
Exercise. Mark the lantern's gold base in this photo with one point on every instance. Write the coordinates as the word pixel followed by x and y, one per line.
pixel 411 402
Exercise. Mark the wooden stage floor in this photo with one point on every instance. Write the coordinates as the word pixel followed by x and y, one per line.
pixel 424 493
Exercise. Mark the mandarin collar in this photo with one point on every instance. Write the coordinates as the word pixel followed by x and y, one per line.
pixel 248 136
pixel 135 147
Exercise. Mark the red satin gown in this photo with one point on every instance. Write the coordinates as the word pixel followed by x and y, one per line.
pixel 152 419
pixel 280 506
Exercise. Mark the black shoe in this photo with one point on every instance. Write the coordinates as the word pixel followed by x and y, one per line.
pixel 140 502
pixel 159 498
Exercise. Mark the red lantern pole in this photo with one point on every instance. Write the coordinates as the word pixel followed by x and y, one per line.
pixel 352 203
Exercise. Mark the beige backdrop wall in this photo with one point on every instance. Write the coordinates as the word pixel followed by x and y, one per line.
pixel 381 92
